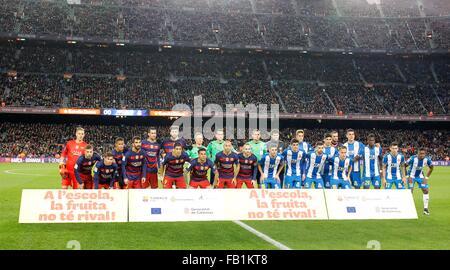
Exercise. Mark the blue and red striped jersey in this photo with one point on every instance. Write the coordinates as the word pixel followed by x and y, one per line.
pixel 84 165
pixel 225 164
pixel 104 174
pixel 152 151
pixel 168 144
pixel 134 165
pixel 199 171
pixel 175 165
pixel 248 167
pixel 118 157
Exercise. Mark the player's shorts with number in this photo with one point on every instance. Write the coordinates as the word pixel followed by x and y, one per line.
pixel 420 183
pixel 248 183
pixel 134 184
pixel 170 181
pixel 151 180
pixel 87 180
pixel 199 184
pixel 398 183
pixel 374 181
pixel 318 183
pixel 355 177
pixel 271 183
pixel 225 183
pixel 326 181
pixel 103 186
pixel 292 181
pixel 340 183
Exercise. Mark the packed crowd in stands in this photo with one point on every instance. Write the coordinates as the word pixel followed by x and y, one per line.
pixel 137 79
pixel 304 23
pixel 47 140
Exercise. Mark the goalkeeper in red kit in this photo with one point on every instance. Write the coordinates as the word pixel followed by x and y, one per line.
pixel 69 156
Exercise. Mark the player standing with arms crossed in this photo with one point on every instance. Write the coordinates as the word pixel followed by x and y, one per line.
pixel 69 156
pixel 416 165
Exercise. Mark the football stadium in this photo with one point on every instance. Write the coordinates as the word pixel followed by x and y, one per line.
pixel 224 125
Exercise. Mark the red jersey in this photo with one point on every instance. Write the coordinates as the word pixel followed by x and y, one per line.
pixel 72 152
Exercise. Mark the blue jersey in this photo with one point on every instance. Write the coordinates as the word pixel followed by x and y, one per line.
pixel 354 149
pixel 340 168
pixel 225 164
pixel 371 161
pixel 199 171
pixel 295 162
pixel 175 165
pixel 270 165
pixel 248 167
pixel 134 165
pixel 84 165
pixel 417 165
pixel 331 152
pixel 104 174
pixel 151 151
pixel 393 163
pixel 315 165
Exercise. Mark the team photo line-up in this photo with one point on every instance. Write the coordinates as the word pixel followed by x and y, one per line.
pixel 329 164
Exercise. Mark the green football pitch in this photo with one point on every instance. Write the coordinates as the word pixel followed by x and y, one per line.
pixel 428 232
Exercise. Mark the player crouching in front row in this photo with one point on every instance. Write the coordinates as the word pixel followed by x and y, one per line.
pixel 199 168
pixel 270 167
pixel 105 172
pixel 341 169
pixel 83 168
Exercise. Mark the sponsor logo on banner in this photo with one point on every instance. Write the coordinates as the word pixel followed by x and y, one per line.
pixel 237 204
pixel 156 211
pixel 370 204
pixel 73 206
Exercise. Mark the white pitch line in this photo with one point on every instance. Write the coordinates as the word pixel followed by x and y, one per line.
pixel 30 174
pixel 262 236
